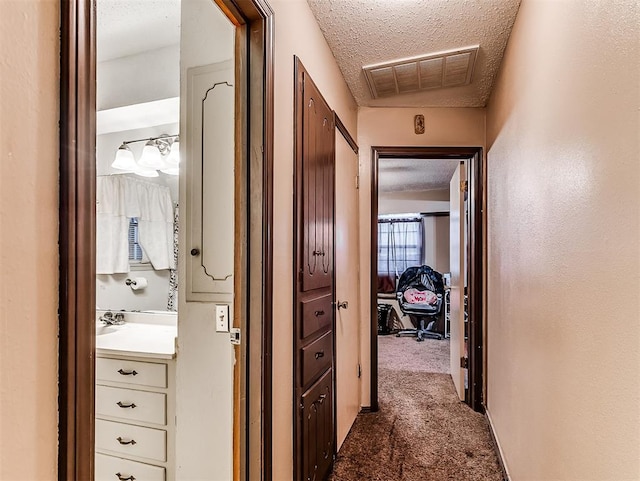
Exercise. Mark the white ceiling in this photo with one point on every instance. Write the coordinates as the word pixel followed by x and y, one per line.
pixel 364 32
pixel 128 27
pixel 411 175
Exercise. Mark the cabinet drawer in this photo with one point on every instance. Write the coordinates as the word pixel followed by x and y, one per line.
pixel 316 315
pixel 131 405
pixel 131 440
pixel 110 468
pixel 316 357
pixel 131 372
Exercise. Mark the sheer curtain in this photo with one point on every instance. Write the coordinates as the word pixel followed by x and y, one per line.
pixel 399 246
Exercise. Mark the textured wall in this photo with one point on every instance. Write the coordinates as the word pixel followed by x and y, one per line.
pixel 564 243
pixel 29 33
pixel 296 33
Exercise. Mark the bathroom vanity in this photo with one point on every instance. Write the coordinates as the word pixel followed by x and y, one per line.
pixel 135 399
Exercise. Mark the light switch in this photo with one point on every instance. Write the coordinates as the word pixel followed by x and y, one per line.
pixel 222 318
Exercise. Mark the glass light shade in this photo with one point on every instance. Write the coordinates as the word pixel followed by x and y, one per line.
pixel 151 157
pixel 174 154
pixel 124 159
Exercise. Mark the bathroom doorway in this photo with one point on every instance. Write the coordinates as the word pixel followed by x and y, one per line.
pixel 162 103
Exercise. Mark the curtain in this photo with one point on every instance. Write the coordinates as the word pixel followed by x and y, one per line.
pixel 172 301
pixel 399 246
pixel 119 198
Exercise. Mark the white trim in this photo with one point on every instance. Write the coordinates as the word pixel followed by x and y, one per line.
pixel 494 435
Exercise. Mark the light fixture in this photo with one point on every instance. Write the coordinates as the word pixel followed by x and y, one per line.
pixel 159 153
pixel 124 159
pixel 174 153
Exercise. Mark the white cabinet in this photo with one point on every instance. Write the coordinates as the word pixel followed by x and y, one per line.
pixel 135 419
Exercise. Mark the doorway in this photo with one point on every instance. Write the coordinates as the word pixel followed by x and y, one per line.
pixel 253 129
pixel 473 360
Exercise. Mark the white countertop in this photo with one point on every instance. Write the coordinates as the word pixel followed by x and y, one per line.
pixel 137 339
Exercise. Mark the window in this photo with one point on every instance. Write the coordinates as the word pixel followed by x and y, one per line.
pixel 135 251
pixel 399 244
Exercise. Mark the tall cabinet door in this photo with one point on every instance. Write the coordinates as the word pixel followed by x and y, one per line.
pixel 314 341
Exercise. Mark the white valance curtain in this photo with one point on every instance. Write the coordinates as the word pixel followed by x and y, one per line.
pixel 119 198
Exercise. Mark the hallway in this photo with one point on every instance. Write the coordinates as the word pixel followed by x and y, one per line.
pixel 421 432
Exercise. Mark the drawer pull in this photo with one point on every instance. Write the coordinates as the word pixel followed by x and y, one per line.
pixel 318 253
pixel 124 443
pixel 124 406
pixel 319 313
pixel 127 373
pixel 122 478
pixel 319 354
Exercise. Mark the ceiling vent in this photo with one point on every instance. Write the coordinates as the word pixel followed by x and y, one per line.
pixel 434 71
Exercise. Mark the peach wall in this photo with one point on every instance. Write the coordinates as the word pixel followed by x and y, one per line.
pixel 29 33
pixel 445 127
pixel 296 33
pixel 564 243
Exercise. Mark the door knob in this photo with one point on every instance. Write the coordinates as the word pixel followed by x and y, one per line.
pixel 342 305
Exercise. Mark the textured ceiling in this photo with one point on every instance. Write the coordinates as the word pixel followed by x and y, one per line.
pixel 128 27
pixel 403 175
pixel 364 32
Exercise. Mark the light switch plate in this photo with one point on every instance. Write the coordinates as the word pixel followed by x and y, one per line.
pixel 222 318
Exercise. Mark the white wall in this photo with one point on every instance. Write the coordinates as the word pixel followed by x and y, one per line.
pixel 436 242
pixel 29 89
pixel 296 32
pixel 205 358
pixel 564 212
pixel 151 75
pixel 394 127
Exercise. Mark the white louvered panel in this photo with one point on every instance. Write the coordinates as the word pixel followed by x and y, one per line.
pixel 431 73
pixel 407 77
pixel 426 72
pixel 456 69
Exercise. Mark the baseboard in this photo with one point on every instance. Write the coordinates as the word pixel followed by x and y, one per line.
pixel 496 444
pixel 366 409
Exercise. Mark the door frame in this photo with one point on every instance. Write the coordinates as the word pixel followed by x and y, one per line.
pixel 476 248
pixel 252 441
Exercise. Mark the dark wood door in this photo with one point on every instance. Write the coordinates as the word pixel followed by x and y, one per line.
pixel 314 417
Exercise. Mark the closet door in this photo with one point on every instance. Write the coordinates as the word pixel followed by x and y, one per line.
pixel 314 340
pixel 317 190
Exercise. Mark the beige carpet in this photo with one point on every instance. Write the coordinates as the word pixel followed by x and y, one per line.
pixel 422 432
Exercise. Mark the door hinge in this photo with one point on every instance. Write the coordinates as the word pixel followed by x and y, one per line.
pixel 357 181
pixel 359 370
pixel 464 362
pixel 464 187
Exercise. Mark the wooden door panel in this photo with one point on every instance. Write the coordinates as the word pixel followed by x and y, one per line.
pixel 317 431
pixel 317 191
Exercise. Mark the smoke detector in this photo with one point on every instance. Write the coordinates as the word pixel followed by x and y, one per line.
pixel 452 68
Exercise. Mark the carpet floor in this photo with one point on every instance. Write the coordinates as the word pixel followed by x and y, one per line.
pixel 422 432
